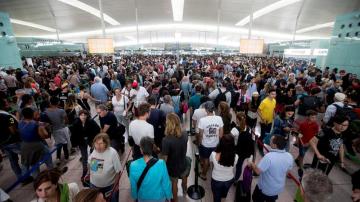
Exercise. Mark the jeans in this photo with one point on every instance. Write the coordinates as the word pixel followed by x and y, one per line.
pixel 220 189
pixel 258 196
pixel 84 157
pixel 48 162
pixel 66 151
pixel 265 128
pixel 106 191
pixel 12 151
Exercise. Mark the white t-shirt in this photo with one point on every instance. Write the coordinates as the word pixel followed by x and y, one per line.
pixel 127 93
pixel 198 114
pixel 140 128
pixel 220 172
pixel 119 106
pixel 141 96
pixel 211 126
pixel 104 167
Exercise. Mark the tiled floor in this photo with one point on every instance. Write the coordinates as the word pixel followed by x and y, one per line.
pixel 341 181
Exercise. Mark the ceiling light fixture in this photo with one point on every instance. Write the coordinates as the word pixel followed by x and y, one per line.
pixel 30 24
pixel 91 10
pixel 177 9
pixel 315 27
pixel 268 9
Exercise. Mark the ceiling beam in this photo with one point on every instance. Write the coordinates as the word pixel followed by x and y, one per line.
pixel 31 24
pixel 315 27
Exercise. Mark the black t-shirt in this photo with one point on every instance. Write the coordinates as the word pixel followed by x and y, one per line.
pixel 6 137
pixel 157 120
pixel 329 144
pixel 109 119
pixel 175 150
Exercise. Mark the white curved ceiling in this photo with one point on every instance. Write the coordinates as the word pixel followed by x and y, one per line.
pixel 78 24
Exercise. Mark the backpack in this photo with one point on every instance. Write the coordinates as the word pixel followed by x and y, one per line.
pixel 220 97
pixel 346 111
pixel 309 102
pixel 176 101
pixel 234 98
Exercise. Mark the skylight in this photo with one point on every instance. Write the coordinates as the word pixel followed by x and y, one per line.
pixel 34 25
pixel 177 9
pixel 315 27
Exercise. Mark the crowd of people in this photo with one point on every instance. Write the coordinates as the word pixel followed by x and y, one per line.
pixel 98 106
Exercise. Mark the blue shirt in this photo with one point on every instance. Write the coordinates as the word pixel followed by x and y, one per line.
pixel 99 92
pixel 194 101
pixel 274 167
pixel 156 185
pixel 29 131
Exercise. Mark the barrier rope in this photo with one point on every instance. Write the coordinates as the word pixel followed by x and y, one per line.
pixel 30 171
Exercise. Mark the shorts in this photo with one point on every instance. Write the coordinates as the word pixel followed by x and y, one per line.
pixel 205 152
pixel 302 150
pixel 186 172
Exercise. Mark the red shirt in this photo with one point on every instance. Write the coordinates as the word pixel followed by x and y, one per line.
pixel 57 81
pixel 308 130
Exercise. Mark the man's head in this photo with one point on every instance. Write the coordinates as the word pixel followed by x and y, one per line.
pixel 146 146
pixel 317 186
pixel 101 110
pixel 54 101
pixel 272 93
pixel 312 115
pixel 209 107
pixel 341 123
pixel 28 113
pixel 278 142
pixel 144 110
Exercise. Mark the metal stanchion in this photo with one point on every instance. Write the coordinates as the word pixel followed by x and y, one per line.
pixel 196 191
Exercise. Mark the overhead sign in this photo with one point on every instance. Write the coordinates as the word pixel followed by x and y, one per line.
pixel 101 45
pixel 251 46
pixel 300 52
pixel 320 52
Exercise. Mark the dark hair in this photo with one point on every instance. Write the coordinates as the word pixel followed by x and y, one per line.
pixel 288 108
pixel 27 113
pixel 340 119
pixel 54 101
pixel 152 100
pixel 147 145
pixel 226 148
pixel 315 90
pixel 198 88
pixel 143 109
pixel 83 111
pixel 25 100
pixel 272 90
pixel 204 99
pixel 87 195
pixel 52 175
pixel 311 112
pixel 279 141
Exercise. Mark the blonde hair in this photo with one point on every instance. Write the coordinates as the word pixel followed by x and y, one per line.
pixel 173 126
pixel 105 138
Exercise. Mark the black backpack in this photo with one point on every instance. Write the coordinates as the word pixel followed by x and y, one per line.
pixel 220 97
pixel 234 98
pixel 346 111
pixel 309 102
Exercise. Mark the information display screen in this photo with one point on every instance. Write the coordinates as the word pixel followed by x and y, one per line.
pixel 101 45
pixel 251 46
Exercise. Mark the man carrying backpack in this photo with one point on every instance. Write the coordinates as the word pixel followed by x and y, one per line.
pixel 221 94
pixel 308 102
pixel 335 107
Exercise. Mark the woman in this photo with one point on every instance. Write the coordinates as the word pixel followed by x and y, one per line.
pixel 224 160
pixel 224 112
pixel 89 195
pixel 243 141
pixel 114 83
pixel 156 186
pixel 84 131
pixel 283 124
pixel 48 188
pixel 120 104
pixel 53 89
pixel 31 134
pixel 251 115
pixel 72 108
pixel 174 147
pixel 105 166
pixel 83 98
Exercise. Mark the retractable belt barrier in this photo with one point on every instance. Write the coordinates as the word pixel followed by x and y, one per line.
pixel 30 171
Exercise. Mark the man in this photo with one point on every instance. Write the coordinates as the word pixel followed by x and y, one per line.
pixel 308 102
pixel 198 114
pixel 329 147
pixel 308 129
pixel 139 128
pixel 194 102
pixel 140 95
pixel 210 132
pixel 10 138
pixel 157 119
pixel 330 112
pixel 217 92
pixel 266 112
pixel 317 186
pixel 167 107
pixel 109 125
pixel 99 91
pixel 272 168
pixel 330 92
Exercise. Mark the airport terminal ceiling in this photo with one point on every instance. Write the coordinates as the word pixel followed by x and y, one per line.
pixel 214 22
